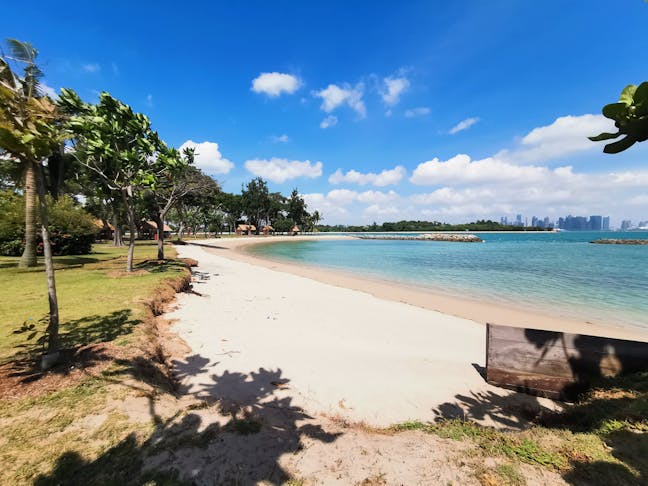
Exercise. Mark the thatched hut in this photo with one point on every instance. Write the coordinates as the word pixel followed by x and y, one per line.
pixel 105 230
pixel 295 231
pixel 149 230
pixel 245 229
pixel 267 230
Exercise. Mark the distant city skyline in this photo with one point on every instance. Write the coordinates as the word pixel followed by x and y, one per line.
pixel 574 223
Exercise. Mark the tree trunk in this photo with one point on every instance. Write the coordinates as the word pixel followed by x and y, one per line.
pixel 118 237
pixel 181 231
pixel 127 194
pixel 28 258
pixel 159 221
pixel 53 342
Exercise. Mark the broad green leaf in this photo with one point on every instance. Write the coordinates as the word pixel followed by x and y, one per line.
pixel 604 136
pixel 641 95
pixel 620 146
pixel 615 111
pixel 627 94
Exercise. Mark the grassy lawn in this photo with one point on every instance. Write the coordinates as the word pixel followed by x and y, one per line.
pixel 97 301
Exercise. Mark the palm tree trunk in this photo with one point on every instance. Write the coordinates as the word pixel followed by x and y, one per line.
pixel 53 343
pixel 28 258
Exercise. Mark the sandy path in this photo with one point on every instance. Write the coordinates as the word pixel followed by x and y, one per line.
pixel 330 349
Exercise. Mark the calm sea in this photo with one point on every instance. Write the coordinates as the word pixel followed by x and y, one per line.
pixel 557 273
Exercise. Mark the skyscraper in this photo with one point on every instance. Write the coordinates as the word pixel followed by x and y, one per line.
pixel 605 225
pixel 596 223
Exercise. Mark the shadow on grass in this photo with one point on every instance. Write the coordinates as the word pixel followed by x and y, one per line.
pixel 237 436
pixel 75 336
pixel 615 412
pixel 161 266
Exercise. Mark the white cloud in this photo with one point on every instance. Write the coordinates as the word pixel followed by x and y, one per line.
pixel 274 84
pixel 463 125
pixel 334 96
pixel 394 87
pixel 91 67
pixel 492 187
pixel 337 203
pixel 280 170
pixel 208 158
pixel 149 99
pixel 283 138
pixel 420 111
pixel 385 178
pixel 342 196
pixel 48 90
pixel 329 121
pixel 376 197
pixel 567 135
pixel 460 169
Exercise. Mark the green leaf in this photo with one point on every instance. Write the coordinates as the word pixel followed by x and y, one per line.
pixel 641 95
pixel 620 146
pixel 615 111
pixel 604 136
pixel 627 94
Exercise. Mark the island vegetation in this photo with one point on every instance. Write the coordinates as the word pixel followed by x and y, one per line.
pixel 436 226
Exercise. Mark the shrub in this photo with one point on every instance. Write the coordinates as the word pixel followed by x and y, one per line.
pixel 72 230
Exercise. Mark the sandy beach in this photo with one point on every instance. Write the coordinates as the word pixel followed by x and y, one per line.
pixel 331 359
pixel 327 348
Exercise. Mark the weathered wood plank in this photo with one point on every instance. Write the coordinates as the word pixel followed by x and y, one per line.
pixel 555 364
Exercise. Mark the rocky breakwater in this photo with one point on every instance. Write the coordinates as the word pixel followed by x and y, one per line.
pixel 453 237
pixel 612 241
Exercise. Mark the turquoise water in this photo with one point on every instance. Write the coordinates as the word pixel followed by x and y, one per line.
pixel 558 273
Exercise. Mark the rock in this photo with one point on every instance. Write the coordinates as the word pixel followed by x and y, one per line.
pixel 612 241
pixel 452 237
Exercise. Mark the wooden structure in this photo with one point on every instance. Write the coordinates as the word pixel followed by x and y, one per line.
pixel 245 229
pixel 555 364
pixel 267 230
pixel 295 230
pixel 149 230
pixel 105 230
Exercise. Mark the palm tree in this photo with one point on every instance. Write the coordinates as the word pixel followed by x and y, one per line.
pixel 30 131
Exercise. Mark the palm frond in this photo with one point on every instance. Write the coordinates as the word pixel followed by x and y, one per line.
pixel 22 51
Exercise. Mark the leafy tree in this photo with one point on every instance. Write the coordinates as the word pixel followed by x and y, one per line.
pixel 117 146
pixel 30 127
pixel 297 209
pixel 232 205
pixel 630 116
pixel 256 201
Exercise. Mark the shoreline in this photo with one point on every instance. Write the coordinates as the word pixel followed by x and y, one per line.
pixel 475 310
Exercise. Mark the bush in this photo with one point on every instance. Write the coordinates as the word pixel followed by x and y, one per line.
pixel 72 230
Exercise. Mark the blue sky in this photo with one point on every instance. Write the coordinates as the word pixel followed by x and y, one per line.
pixel 373 89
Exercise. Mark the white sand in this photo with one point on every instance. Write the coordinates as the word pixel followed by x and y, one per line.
pixel 343 352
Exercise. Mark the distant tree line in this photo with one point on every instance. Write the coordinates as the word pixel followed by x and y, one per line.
pixel 406 226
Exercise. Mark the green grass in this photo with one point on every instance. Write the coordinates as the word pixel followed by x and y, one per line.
pixel 90 298
pixel 600 440
pixel 98 302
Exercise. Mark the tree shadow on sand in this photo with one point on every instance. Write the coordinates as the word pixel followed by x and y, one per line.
pixel 235 434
